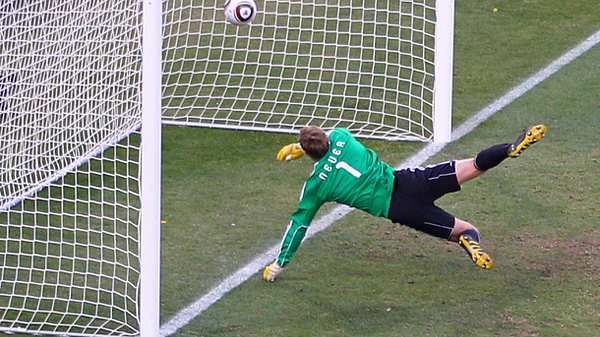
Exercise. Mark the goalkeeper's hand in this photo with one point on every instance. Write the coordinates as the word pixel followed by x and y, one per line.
pixel 271 272
pixel 290 152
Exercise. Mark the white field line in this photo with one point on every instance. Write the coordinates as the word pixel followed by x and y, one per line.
pixel 252 267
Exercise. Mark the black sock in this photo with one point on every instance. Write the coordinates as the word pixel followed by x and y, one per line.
pixel 472 233
pixel 491 156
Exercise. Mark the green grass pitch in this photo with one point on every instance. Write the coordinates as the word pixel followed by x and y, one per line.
pixel 226 199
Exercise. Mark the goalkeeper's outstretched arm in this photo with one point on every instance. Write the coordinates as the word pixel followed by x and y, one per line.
pixel 291 241
pixel 296 230
pixel 316 144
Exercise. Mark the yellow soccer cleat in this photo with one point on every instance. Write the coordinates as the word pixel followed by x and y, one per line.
pixel 479 257
pixel 533 135
pixel 290 152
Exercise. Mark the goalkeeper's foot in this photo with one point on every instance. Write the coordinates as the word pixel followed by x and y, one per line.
pixel 479 257
pixel 531 136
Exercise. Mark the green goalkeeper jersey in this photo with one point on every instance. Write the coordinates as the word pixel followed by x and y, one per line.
pixel 349 174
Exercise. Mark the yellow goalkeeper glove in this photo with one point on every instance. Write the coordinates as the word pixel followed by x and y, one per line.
pixel 290 152
pixel 271 272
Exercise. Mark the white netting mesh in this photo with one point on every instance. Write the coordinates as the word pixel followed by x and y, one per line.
pixel 69 161
pixel 366 65
pixel 70 79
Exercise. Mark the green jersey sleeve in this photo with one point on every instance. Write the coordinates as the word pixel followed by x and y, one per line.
pixel 299 221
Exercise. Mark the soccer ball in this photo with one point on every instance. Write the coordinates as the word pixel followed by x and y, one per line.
pixel 240 11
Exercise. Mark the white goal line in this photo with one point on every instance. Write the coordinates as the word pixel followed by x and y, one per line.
pixel 186 315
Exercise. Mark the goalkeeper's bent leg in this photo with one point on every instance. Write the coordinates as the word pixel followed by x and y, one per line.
pixel 491 156
pixel 466 170
pixel 494 155
pixel 468 238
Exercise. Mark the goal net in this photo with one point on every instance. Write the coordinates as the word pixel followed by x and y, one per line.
pixel 70 79
pixel 72 73
pixel 367 65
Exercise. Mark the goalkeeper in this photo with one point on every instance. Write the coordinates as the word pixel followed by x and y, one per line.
pixel 347 172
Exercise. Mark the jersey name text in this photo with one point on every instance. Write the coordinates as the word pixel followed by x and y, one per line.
pixel 332 159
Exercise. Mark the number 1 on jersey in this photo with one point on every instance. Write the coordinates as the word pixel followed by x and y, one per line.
pixel 344 166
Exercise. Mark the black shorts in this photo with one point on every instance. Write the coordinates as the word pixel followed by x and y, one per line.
pixel 415 191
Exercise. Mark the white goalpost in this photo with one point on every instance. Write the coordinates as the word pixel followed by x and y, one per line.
pixel 383 69
pixel 83 85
